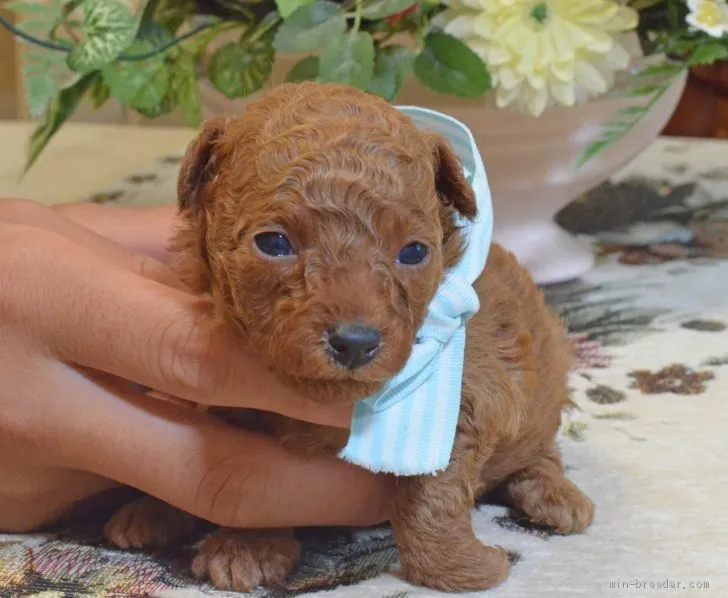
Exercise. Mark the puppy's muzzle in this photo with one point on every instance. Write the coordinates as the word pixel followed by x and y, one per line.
pixel 354 345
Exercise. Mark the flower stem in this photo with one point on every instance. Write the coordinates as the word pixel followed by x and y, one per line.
pixel 357 16
pixel 673 14
pixel 265 28
pixel 64 47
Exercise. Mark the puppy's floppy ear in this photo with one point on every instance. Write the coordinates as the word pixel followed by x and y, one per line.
pixel 199 164
pixel 450 182
pixel 198 168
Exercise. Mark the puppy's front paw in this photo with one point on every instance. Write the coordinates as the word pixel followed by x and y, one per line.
pixel 241 561
pixel 148 522
pixel 478 567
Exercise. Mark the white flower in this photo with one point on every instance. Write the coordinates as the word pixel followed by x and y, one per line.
pixel 544 53
pixel 710 16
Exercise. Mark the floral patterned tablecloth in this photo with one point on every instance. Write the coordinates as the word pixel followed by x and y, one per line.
pixel 648 442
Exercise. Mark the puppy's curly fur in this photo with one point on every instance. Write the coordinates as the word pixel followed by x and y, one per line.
pixel 349 181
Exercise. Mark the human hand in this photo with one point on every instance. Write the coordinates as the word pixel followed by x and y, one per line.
pixel 147 231
pixel 79 314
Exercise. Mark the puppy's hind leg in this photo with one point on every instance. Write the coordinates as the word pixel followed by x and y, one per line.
pixel 543 493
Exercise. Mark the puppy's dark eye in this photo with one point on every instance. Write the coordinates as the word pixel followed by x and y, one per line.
pixel 412 254
pixel 274 244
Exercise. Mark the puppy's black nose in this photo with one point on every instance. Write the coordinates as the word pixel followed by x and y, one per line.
pixel 354 345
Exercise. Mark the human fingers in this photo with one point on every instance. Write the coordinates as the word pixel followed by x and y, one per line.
pixel 32 214
pixel 143 230
pixel 84 309
pixel 201 465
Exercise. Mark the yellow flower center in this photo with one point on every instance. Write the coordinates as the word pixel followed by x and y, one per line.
pixel 709 14
pixel 540 12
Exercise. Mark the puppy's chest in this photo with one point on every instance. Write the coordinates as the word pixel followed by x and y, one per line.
pixel 301 437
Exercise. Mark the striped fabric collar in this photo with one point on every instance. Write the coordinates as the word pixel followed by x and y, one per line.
pixel 408 428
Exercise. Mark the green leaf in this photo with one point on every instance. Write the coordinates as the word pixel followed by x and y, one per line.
pixel 109 28
pixel 392 65
pixel 348 59
pixel 644 4
pixel 287 7
pixel 39 91
pixel 657 71
pixel 678 47
pixel 448 66
pixel 198 44
pixel 239 69
pixel 631 111
pixel 172 13
pixel 38 12
pixel 149 10
pixel 593 151
pixel 310 27
pixel 139 84
pixel 168 103
pixel 44 74
pixel 706 54
pixel 306 69
pixel 152 33
pixel 184 86
pixel 44 71
pixel 41 29
pixel 100 92
pixel 380 9
pixel 232 10
pixel 619 125
pixel 62 106
pixel 25 8
pixel 645 90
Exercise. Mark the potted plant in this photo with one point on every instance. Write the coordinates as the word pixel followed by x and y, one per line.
pixel 559 93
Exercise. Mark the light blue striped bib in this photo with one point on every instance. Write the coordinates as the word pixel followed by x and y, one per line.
pixel 408 428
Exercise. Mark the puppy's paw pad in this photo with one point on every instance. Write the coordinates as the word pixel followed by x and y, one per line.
pixel 147 523
pixel 241 563
pixel 473 570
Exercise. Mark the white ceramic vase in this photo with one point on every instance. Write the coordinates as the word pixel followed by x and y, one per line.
pixel 531 164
